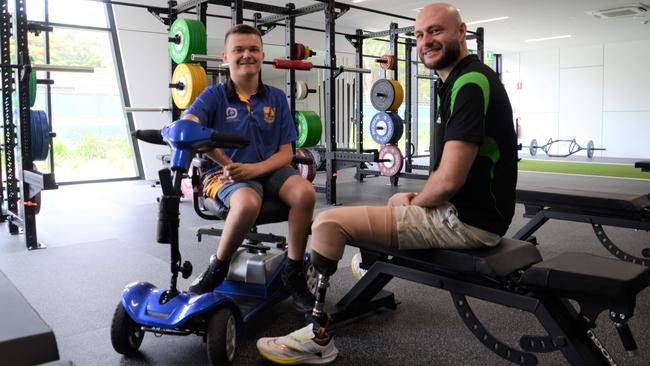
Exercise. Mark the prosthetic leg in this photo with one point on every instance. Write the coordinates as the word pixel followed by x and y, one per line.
pixel 325 268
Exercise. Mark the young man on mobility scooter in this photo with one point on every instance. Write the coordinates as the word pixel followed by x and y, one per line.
pixel 245 106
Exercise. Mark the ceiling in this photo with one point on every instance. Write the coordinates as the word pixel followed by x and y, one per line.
pixel 528 19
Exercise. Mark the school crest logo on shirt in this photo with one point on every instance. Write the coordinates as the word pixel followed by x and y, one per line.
pixel 231 113
pixel 269 114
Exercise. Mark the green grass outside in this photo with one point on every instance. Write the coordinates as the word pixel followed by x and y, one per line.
pixel 600 169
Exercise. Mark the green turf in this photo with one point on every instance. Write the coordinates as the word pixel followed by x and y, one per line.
pixel 601 169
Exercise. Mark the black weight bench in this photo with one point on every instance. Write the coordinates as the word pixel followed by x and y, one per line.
pixel 595 208
pixel 643 165
pixel 25 339
pixel 513 274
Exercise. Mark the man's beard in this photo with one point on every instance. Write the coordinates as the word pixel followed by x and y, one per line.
pixel 451 54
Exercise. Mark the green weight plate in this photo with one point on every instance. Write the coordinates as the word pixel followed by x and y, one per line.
pixel 310 128
pixel 193 40
pixel 199 41
pixel 32 84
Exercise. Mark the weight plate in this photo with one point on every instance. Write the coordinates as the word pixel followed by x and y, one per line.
pixel 386 128
pixel 310 128
pixel 32 84
pixel 299 51
pixel 393 166
pixel 388 63
pixel 590 149
pixel 399 95
pixel 319 158
pixel 193 40
pixel 386 95
pixel 302 89
pixel 532 148
pixel 382 94
pixel 40 131
pixel 308 171
pixel 194 80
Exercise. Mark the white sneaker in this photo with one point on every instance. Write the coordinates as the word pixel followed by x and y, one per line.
pixel 357 271
pixel 297 348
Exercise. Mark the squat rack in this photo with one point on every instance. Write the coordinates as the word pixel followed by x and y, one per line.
pixel 411 94
pixel 23 182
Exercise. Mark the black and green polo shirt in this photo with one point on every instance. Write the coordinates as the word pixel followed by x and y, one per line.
pixel 474 107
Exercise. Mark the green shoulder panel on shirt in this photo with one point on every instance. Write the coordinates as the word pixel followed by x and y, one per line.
pixel 471 78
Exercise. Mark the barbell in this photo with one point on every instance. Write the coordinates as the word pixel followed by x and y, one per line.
pixel 574 147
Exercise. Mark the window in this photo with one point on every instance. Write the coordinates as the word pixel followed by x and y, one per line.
pixel 92 139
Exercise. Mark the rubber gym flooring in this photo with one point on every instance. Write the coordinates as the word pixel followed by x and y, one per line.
pixel 102 236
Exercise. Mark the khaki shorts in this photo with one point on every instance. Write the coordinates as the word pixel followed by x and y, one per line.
pixel 439 227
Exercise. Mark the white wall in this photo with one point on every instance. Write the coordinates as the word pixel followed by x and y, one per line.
pixel 143 44
pixel 598 93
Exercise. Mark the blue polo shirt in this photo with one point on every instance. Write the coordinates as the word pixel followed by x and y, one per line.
pixel 265 119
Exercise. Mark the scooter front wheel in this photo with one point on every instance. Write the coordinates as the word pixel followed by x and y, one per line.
pixel 126 334
pixel 222 337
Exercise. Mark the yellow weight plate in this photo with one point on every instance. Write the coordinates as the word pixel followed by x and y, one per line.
pixel 399 95
pixel 194 80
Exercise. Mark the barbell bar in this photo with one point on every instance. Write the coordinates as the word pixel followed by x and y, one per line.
pixel 281 63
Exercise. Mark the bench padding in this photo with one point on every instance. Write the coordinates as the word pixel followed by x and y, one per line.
pixel 509 256
pixel 586 274
pixel 587 202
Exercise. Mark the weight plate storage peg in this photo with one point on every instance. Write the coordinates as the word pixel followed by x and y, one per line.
pixel 386 95
pixel 308 171
pixel 310 128
pixel 394 158
pixel 386 128
pixel 187 37
pixel 190 79
pixel 532 148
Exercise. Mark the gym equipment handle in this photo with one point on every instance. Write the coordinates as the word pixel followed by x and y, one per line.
pixel 150 136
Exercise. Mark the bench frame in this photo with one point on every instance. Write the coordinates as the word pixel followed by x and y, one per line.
pixel 540 214
pixel 568 332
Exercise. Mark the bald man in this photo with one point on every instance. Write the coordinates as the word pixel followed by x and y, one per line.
pixel 467 202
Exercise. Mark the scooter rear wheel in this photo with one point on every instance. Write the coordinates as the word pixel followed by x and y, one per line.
pixel 126 334
pixel 222 337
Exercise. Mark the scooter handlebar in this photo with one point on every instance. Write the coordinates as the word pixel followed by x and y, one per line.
pixel 229 140
pixel 150 136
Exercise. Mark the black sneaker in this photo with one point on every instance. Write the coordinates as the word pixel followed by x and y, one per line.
pixel 295 282
pixel 210 278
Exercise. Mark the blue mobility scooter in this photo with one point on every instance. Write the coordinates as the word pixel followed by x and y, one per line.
pixel 253 282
